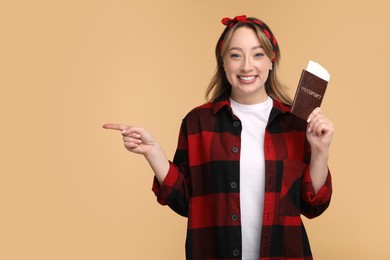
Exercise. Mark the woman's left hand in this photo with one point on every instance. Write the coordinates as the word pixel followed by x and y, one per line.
pixel 319 131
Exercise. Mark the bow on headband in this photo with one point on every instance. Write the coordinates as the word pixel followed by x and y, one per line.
pixel 242 18
pixel 230 22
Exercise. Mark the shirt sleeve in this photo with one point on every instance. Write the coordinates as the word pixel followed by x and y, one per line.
pixel 175 190
pixel 314 204
pixel 163 191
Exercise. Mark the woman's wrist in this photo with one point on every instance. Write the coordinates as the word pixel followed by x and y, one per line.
pixel 158 161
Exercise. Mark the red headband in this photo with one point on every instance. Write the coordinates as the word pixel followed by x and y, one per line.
pixel 242 18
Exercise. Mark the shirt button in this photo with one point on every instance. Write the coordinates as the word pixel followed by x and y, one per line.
pixel 233 184
pixel 235 149
pixel 234 217
pixel 236 123
pixel 236 252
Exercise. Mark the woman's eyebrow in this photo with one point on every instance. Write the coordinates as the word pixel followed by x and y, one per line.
pixel 240 49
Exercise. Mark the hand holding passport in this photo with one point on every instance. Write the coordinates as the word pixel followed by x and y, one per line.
pixel 311 90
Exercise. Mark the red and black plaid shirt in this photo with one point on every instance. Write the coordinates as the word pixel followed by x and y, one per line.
pixel 203 184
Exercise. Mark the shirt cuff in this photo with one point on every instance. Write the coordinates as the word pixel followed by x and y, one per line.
pixel 162 191
pixel 323 195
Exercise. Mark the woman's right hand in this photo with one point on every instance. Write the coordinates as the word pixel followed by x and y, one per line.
pixel 140 141
pixel 135 139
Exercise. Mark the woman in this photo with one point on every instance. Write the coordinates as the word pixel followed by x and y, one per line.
pixel 245 168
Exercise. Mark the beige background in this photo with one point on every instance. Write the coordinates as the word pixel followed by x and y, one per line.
pixel 68 188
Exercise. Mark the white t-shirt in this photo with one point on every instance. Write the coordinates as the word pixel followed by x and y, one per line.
pixel 254 119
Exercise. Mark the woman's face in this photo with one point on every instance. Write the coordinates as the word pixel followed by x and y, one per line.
pixel 247 67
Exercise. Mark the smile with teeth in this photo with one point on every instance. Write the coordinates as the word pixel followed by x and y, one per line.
pixel 246 78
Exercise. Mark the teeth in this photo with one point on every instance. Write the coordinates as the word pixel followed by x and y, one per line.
pixel 247 78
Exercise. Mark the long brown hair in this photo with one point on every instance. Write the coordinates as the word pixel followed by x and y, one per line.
pixel 219 83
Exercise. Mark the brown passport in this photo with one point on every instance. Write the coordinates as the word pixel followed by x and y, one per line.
pixel 310 92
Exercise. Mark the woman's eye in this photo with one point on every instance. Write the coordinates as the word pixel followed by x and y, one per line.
pixel 234 55
pixel 259 54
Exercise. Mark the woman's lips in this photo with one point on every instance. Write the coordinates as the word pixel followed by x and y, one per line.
pixel 247 79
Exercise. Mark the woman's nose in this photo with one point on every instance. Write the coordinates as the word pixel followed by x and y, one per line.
pixel 246 64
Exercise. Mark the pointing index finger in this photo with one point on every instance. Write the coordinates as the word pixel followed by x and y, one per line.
pixel 119 127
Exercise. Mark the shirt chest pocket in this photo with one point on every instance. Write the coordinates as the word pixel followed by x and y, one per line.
pixel 290 191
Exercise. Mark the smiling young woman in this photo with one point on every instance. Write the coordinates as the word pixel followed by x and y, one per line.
pixel 247 67
pixel 219 82
pixel 245 168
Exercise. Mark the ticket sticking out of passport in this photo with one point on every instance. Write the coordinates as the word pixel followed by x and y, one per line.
pixel 311 90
